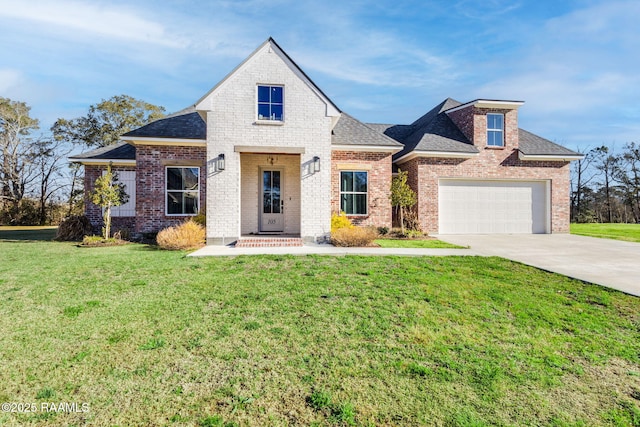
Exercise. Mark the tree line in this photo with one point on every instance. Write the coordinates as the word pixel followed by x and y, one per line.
pixel 38 186
pixel 605 185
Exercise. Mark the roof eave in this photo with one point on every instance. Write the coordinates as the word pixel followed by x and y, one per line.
pixel 141 140
pixel 549 157
pixel 370 148
pixel 438 154
pixel 101 162
pixel 488 103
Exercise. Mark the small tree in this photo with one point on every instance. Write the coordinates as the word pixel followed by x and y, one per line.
pixel 108 192
pixel 402 196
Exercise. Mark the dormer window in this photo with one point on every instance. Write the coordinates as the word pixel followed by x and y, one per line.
pixel 495 130
pixel 271 103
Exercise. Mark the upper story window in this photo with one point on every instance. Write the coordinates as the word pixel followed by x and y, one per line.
pixel 270 103
pixel 495 130
pixel 353 192
pixel 182 190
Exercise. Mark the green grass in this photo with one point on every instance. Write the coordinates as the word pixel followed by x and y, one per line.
pixel 423 244
pixel 148 337
pixel 626 232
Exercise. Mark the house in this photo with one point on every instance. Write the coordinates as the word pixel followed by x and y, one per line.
pixel 267 152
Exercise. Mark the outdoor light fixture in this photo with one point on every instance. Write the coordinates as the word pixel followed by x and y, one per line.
pixel 221 162
pixel 316 164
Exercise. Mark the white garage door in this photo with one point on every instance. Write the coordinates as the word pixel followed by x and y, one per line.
pixel 492 207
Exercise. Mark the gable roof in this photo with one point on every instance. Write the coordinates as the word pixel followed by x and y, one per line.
pixel 349 131
pixel 118 153
pixel 332 109
pixel 185 124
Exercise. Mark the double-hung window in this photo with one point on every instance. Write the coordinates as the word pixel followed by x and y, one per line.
pixel 182 190
pixel 271 103
pixel 495 130
pixel 353 192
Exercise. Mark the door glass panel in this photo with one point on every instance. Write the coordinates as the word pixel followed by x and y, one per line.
pixel 276 180
pixel 266 181
pixel 266 203
pixel 276 202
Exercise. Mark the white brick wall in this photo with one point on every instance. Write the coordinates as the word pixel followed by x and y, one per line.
pixel 231 121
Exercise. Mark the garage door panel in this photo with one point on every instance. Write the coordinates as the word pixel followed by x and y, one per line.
pixel 492 207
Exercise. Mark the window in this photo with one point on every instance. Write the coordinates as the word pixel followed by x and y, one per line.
pixel 270 103
pixel 353 193
pixel 495 130
pixel 183 190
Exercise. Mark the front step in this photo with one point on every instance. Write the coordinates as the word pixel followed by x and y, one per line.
pixel 268 242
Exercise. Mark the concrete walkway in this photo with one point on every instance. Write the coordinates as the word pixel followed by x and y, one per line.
pixel 328 250
pixel 611 263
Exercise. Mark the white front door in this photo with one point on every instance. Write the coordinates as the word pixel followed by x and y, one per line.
pixel 272 212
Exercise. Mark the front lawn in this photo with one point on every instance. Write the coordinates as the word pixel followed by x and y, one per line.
pixel 626 232
pixel 416 243
pixel 147 337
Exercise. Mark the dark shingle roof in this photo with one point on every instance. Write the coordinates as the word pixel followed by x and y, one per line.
pixel 119 151
pixel 349 131
pixel 186 124
pixel 532 145
pixel 434 131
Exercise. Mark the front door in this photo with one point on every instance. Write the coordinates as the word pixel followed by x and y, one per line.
pixel 272 212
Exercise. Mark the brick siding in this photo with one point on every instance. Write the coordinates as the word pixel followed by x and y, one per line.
pixel 378 166
pixel 491 164
pixel 151 161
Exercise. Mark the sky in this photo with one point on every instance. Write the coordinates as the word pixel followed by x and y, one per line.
pixel 575 63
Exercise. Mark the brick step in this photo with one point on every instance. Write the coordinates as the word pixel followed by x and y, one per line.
pixel 268 242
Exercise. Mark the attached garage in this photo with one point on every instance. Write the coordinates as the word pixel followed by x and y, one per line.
pixel 493 207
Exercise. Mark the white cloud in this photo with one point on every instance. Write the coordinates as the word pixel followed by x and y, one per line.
pixel 9 79
pixel 83 18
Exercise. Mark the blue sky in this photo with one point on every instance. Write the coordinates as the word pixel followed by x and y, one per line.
pixel 574 63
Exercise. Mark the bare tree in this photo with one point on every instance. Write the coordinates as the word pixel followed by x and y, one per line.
pixel 607 164
pixel 16 150
pixel 628 175
pixel 49 161
pixel 581 175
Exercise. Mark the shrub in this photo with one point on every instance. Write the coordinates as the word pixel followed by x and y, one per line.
pixel 201 219
pixel 383 231
pixel 98 241
pixel 354 236
pixel 340 220
pixel 73 228
pixel 188 235
pixel 411 220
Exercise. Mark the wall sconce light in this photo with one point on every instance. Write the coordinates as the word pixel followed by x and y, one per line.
pixel 221 164
pixel 316 164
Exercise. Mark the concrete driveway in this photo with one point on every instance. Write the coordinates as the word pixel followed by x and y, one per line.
pixel 610 263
